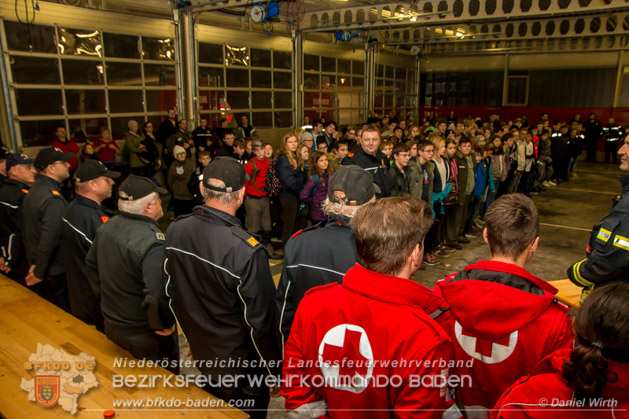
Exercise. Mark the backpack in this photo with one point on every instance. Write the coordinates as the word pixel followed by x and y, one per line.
pixel 273 182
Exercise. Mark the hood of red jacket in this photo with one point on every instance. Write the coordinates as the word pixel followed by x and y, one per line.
pixel 492 310
pixel 390 289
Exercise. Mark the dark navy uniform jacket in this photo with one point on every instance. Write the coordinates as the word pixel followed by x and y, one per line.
pixel 127 258
pixel 376 165
pixel 313 257
pixel 43 208
pixel 221 290
pixel 12 194
pixel 80 222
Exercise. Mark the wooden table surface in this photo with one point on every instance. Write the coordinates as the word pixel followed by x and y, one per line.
pixel 27 320
pixel 569 293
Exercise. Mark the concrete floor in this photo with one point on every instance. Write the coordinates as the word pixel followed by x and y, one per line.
pixel 567 214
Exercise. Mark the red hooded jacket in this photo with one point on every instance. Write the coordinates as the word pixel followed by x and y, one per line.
pixel 367 347
pixel 545 394
pixel 503 320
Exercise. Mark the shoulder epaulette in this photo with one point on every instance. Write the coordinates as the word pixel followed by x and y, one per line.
pixel 24 191
pixel 55 192
pixel 246 237
pixel 312 227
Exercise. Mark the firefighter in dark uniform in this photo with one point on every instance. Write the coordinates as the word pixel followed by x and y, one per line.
pixel 592 128
pixel 322 255
pixel 20 177
pixel 81 219
pixel 372 160
pixel 608 248
pixel 126 260
pixel 43 208
pixel 612 134
pixel 202 136
pixel 221 290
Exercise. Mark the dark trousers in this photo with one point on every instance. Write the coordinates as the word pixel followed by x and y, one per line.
pixel 182 206
pixel 443 223
pixel 277 224
pixel 146 344
pixel 433 237
pixel 611 148
pixel 461 211
pixel 84 304
pixel 19 270
pixel 525 182
pixel 591 145
pixel 293 220
pixel 560 167
pixel 54 289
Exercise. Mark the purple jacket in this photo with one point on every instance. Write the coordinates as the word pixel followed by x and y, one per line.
pixel 315 199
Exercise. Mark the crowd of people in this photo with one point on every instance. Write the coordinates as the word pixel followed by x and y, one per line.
pixel 356 213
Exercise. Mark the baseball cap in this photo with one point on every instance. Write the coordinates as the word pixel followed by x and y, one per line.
pixel 92 169
pixel 355 182
pixel 49 155
pixel 227 169
pixel 17 158
pixel 178 149
pixel 136 187
pixel 257 143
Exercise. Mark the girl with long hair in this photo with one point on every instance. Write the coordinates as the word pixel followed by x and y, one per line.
pixel 316 189
pixel 290 170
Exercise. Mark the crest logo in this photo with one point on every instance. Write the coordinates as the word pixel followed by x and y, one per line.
pixel 47 390
pixel 50 367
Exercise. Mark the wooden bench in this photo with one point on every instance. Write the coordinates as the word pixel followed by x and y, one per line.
pixel 27 320
pixel 568 293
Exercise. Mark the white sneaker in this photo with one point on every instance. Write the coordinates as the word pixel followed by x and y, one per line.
pixel 551 183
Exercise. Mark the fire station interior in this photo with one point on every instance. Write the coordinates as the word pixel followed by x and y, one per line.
pixel 88 64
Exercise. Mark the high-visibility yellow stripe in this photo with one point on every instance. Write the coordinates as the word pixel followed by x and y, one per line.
pixel 578 276
pixel 603 235
pixel 622 242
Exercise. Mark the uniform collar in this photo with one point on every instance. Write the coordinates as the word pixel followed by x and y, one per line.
pixel 50 181
pixel 390 289
pixel 80 199
pixel 138 217
pixel 624 181
pixel 335 220
pixel 16 182
pixel 209 212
